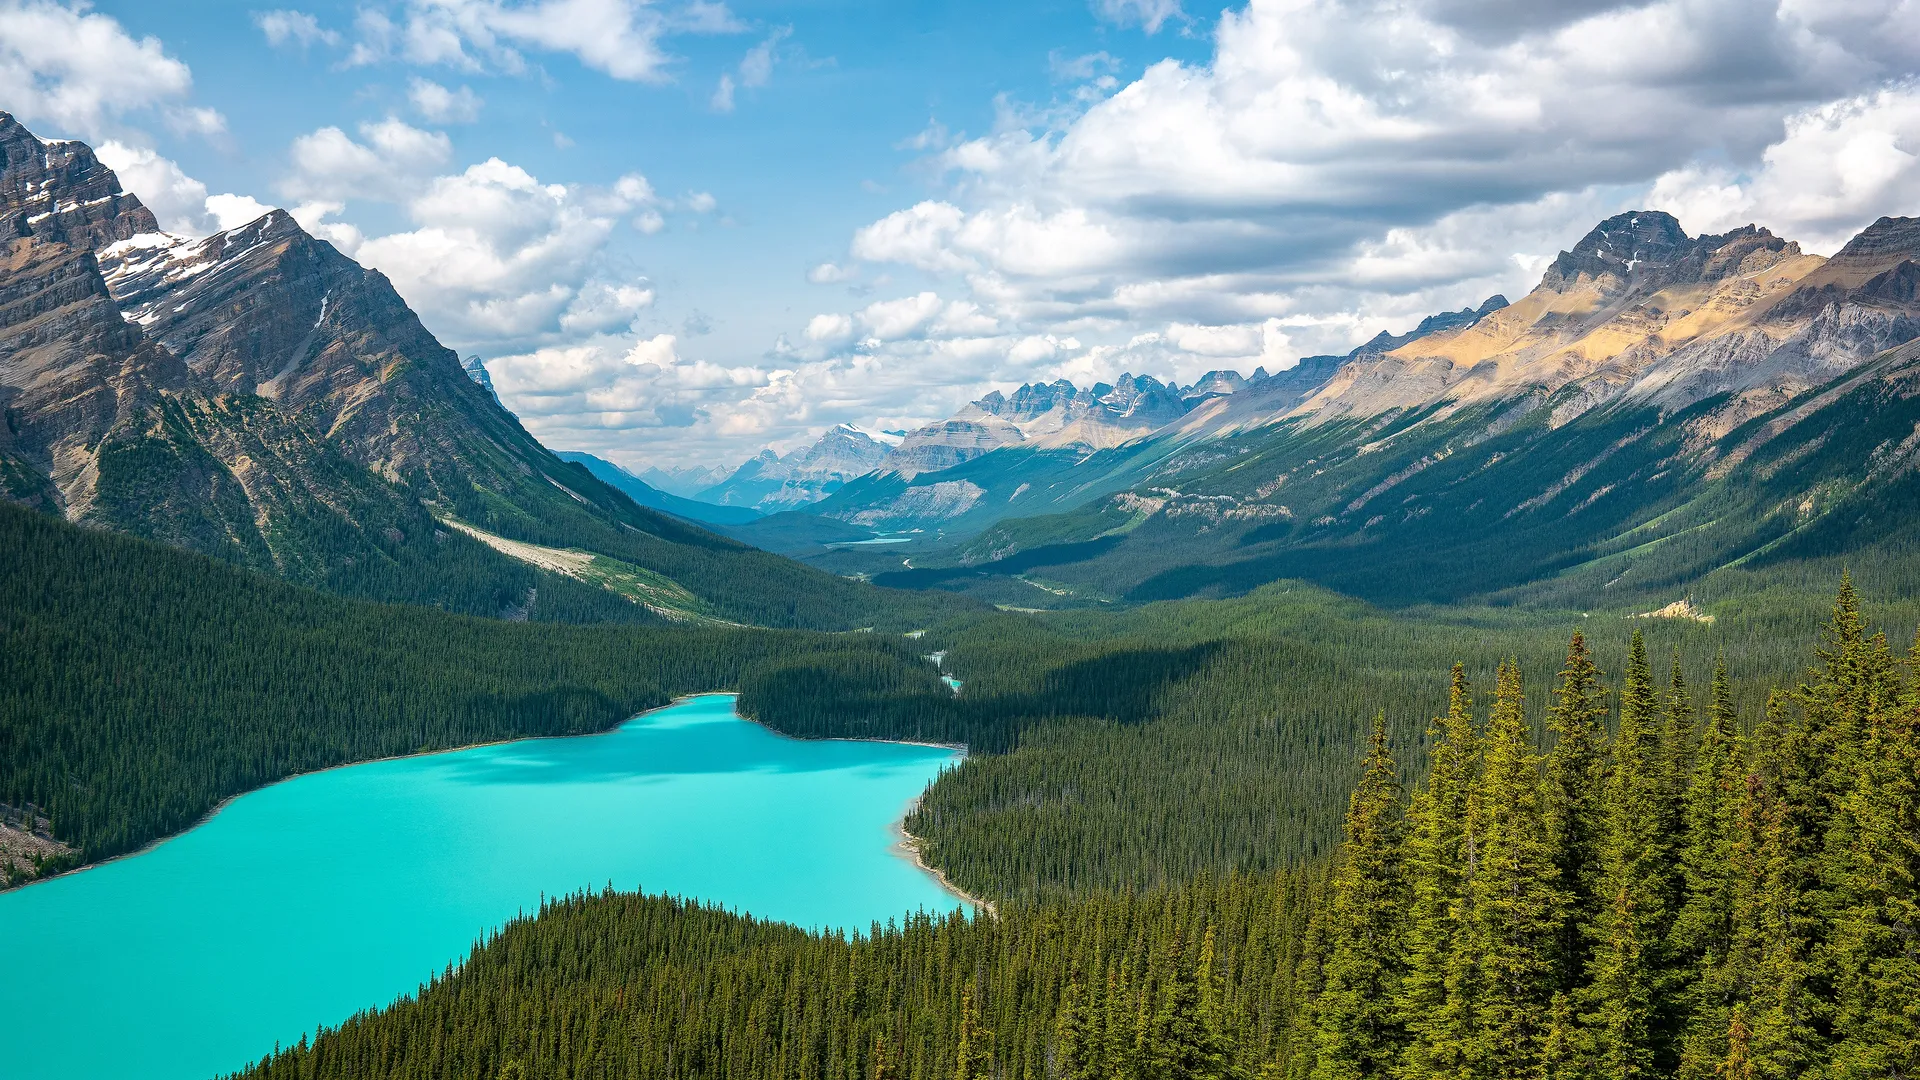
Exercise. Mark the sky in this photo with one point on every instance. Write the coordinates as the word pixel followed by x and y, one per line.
pixel 678 231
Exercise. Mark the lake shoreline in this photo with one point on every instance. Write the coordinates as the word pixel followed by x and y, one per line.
pixel 290 777
pixel 899 826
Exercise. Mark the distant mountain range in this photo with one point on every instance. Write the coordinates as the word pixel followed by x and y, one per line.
pixel 258 396
pixel 1661 413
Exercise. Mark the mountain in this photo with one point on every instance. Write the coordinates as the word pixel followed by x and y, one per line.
pixel 772 482
pixel 1051 446
pixel 1663 415
pixel 649 496
pixel 258 396
pixel 1045 416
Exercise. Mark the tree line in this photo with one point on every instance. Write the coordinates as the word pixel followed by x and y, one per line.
pixel 1681 892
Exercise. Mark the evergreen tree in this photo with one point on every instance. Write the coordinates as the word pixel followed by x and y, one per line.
pixel 1359 1033
pixel 1628 996
pixel 1703 930
pixel 974 1056
pixel 1077 1043
pixel 1185 1040
pixel 1875 946
pixel 1574 804
pixel 1517 907
pixel 1437 860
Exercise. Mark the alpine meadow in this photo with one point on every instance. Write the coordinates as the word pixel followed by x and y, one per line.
pixel 1336 539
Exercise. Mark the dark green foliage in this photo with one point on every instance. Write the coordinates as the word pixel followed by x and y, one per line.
pixel 1743 946
pixel 139 685
pixel 622 985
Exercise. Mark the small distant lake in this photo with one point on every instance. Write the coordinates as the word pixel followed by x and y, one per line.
pixel 874 541
pixel 304 902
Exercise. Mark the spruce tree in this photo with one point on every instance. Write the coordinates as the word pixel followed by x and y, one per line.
pixel 974 1055
pixel 1574 804
pixel 1437 860
pixel 1185 1041
pixel 1359 1032
pixel 1703 931
pixel 1629 998
pixel 1875 947
pixel 1517 906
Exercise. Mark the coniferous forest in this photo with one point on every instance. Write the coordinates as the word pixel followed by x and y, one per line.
pixel 1657 884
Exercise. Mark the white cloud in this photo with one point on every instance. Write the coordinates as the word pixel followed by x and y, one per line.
pixel 497 259
pixel 1838 166
pixel 80 71
pixel 232 211
pixel 178 201
pixel 621 38
pixel 722 100
pixel 297 27
pixel 389 164
pixel 890 320
pixel 828 273
pixel 440 105
pixel 700 202
pixel 832 329
pixel 1343 167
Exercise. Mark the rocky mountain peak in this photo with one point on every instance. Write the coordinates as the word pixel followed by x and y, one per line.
pixel 60 191
pixel 1889 236
pixel 1647 250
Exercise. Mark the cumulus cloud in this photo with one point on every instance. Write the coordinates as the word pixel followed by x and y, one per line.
pixel 388 162
pixel 496 259
pixel 1340 167
pixel 440 105
pixel 178 201
pixel 80 71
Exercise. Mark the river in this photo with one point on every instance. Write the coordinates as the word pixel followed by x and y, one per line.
pixel 307 901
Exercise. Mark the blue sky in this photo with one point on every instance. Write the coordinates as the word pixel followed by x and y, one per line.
pixel 680 231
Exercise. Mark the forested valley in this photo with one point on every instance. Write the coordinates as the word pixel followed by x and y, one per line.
pixel 1659 883
pixel 1622 876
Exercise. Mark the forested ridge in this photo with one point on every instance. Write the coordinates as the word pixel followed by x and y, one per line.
pixel 1691 890
pixel 140 685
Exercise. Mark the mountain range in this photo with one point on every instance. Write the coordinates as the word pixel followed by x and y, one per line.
pixel 258 396
pixel 1659 412
pixel 1660 409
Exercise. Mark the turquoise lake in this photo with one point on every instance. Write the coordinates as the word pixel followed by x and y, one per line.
pixel 307 901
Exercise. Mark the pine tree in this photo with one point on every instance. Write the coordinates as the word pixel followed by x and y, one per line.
pixel 1875 946
pixel 1077 1042
pixel 1560 1057
pixel 1703 931
pixel 1359 1033
pixel 1185 1041
pixel 1437 861
pixel 1574 804
pixel 1517 907
pixel 974 1056
pixel 1677 736
pixel 1628 996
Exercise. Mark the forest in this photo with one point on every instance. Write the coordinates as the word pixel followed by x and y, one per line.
pixel 1658 883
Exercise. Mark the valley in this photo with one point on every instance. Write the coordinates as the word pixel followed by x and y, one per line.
pixel 1521 695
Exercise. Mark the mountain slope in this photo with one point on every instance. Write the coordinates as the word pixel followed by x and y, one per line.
pixel 258 396
pixel 1663 415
